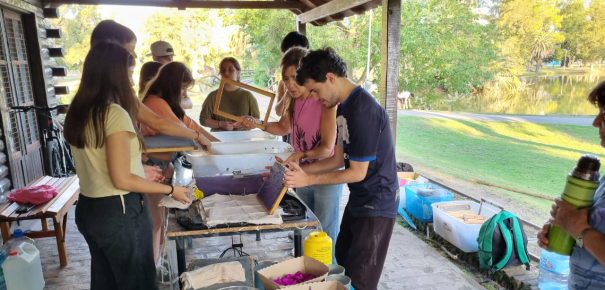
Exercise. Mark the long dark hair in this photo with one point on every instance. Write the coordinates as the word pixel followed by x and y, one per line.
pixel 292 57
pixel 148 71
pixel 105 80
pixel 168 85
pixel 111 31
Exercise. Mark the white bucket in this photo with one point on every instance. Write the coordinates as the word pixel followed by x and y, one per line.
pixel 23 269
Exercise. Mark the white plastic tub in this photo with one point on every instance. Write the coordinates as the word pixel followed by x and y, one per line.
pixel 252 135
pixel 226 165
pixel 464 236
pixel 250 147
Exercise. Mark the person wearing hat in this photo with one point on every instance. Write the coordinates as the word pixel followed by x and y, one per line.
pixel 162 52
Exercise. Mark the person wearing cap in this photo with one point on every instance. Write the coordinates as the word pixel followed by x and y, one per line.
pixel 162 52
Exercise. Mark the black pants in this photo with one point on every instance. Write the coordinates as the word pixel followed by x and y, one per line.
pixel 362 246
pixel 120 244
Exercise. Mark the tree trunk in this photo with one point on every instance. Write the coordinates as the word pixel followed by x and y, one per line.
pixel 363 77
pixel 539 59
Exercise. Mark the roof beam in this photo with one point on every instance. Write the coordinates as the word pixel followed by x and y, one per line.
pixel 310 6
pixel 330 8
pixel 190 4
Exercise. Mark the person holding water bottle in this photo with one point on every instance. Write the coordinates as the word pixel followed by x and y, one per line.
pixel 587 225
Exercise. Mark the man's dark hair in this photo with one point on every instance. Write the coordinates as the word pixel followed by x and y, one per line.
pixel 597 95
pixel 293 39
pixel 318 63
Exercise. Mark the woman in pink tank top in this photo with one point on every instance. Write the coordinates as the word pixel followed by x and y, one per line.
pixel 312 129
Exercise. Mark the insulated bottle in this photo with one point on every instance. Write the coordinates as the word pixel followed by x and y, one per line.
pixel 582 183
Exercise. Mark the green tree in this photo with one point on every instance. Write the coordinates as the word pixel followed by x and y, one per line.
pixel 198 36
pixel 264 30
pixel 77 23
pixel 542 47
pixel 595 31
pixel 573 26
pixel 523 24
pixel 445 45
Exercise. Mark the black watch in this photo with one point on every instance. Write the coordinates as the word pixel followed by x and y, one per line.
pixel 171 190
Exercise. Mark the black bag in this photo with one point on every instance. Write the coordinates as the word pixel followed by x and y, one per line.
pixel 404 167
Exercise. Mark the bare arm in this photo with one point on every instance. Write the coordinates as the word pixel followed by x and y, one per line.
pixel 163 125
pixel 298 178
pixel 331 163
pixel 208 135
pixel 167 127
pixel 281 98
pixel 118 164
pixel 328 136
pixel 593 243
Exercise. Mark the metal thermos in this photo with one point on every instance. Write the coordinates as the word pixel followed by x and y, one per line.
pixel 183 173
pixel 582 183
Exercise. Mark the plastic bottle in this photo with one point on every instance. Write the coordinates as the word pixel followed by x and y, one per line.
pixel 318 245
pixel 23 269
pixel 554 271
pixel 18 239
pixel 582 182
pixel 3 256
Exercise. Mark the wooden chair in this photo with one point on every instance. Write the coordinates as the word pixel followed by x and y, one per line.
pixel 56 209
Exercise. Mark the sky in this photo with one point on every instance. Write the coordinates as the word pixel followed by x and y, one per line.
pixel 131 16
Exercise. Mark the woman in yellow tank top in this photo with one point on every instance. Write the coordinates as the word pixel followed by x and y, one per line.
pixel 112 214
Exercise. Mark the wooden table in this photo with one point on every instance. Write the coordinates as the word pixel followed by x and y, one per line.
pixel 176 232
pixel 56 209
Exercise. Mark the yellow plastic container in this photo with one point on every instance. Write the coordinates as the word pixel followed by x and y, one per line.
pixel 318 245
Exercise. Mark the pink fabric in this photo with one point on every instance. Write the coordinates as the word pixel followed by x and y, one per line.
pixel 34 194
pixel 306 133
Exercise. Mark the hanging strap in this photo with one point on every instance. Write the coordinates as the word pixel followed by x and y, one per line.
pixel 521 250
pixel 509 246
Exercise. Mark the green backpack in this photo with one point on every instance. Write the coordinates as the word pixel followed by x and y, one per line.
pixel 502 243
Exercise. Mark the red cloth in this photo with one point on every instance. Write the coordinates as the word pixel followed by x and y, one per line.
pixel 34 194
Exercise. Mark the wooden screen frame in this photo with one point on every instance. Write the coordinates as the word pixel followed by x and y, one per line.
pixel 219 95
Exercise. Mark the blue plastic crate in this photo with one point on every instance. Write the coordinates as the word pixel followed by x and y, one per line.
pixel 419 197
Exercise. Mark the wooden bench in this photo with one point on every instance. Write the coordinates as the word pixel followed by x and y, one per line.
pixel 56 209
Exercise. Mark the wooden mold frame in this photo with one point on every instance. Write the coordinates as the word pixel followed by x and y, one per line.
pixel 219 95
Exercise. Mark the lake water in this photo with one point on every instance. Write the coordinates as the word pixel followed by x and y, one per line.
pixel 543 95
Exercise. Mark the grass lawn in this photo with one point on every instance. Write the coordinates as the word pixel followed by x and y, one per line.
pixel 526 156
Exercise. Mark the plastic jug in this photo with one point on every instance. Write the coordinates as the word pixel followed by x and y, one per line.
pixel 18 239
pixel 23 269
pixel 3 256
pixel 318 245
pixel 554 271
pixel 582 182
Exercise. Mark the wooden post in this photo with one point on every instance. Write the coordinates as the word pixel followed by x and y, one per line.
pixel 301 27
pixel 391 29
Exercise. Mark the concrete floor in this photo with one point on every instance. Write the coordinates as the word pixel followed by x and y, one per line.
pixel 411 263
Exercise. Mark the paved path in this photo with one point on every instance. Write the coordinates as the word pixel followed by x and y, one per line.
pixel 578 121
pixel 410 264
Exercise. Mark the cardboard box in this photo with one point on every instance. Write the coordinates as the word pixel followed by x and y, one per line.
pixel 304 264
pixel 405 177
pixel 329 285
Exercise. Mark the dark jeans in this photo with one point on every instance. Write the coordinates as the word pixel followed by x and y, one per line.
pixel 120 244
pixel 362 246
